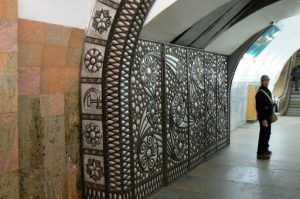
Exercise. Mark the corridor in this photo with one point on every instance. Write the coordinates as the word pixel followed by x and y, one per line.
pixel 234 173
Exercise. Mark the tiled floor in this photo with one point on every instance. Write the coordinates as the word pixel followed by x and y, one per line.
pixel 235 173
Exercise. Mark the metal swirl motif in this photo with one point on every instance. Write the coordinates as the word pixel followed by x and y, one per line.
pixel 197 71
pixel 149 73
pixel 180 72
pixel 195 110
pixel 148 153
pixel 153 112
pixel 180 147
pixel 179 110
pixel 148 146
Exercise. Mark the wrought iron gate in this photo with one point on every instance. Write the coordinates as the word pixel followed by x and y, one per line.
pixel 176 113
pixel 163 108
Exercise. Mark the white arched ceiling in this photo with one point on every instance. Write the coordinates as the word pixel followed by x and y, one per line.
pixel 273 58
pixel 73 13
pixel 177 17
pixel 157 8
pixel 234 37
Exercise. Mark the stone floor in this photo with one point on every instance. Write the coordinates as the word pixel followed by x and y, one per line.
pixel 235 173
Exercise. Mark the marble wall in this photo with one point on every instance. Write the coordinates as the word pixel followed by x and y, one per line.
pixel 48 84
pixel 9 165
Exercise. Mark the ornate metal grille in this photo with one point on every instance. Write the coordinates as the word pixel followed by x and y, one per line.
pixel 197 113
pixel 176 113
pixel 146 119
pixel 210 61
pixel 223 126
pixel 163 108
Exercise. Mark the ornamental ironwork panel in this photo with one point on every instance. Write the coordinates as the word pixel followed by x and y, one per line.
pixel 116 86
pixel 197 117
pixel 146 118
pixel 92 146
pixel 210 61
pixel 162 109
pixel 176 115
pixel 222 103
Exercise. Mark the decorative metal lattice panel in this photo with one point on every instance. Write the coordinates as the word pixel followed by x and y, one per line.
pixel 116 87
pixel 163 108
pixel 222 103
pixel 197 114
pixel 176 105
pixel 210 61
pixel 146 119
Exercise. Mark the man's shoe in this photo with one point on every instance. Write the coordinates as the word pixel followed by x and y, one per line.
pixel 269 153
pixel 263 157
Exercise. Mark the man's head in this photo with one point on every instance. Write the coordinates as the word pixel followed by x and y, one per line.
pixel 265 80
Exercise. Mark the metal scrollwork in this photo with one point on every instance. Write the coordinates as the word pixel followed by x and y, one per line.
pixel 177 133
pixel 197 71
pixel 146 111
pixel 149 73
pixel 179 110
pixel 197 112
pixel 222 103
pixel 148 152
pixel 153 115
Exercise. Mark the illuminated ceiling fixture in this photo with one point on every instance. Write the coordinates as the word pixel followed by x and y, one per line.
pixel 263 41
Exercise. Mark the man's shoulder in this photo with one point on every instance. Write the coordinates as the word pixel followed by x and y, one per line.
pixel 258 93
pixel 261 92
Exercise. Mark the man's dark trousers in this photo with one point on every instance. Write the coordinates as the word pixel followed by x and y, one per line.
pixel 264 137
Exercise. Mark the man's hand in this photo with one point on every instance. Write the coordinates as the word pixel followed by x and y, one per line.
pixel 265 123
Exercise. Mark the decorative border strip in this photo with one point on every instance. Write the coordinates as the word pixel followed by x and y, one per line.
pixel 111 4
pixel 89 80
pixel 95 41
pixel 92 154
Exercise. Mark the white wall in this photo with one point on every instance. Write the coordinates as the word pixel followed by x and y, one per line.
pixel 73 13
pixel 271 62
pixel 273 58
pixel 238 104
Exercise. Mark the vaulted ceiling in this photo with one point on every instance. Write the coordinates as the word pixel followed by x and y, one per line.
pixel 219 26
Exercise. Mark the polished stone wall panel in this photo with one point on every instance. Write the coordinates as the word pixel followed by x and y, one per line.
pixel 30 133
pixel 9 9
pixel 8 35
pixel 8 142
pixel 8 82
pixel 9 138
pixel 49 70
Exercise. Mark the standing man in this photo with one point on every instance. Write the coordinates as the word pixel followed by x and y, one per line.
pixel 296 76
pixel 264 108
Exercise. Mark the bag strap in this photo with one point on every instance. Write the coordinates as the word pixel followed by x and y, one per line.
pixel 268 96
